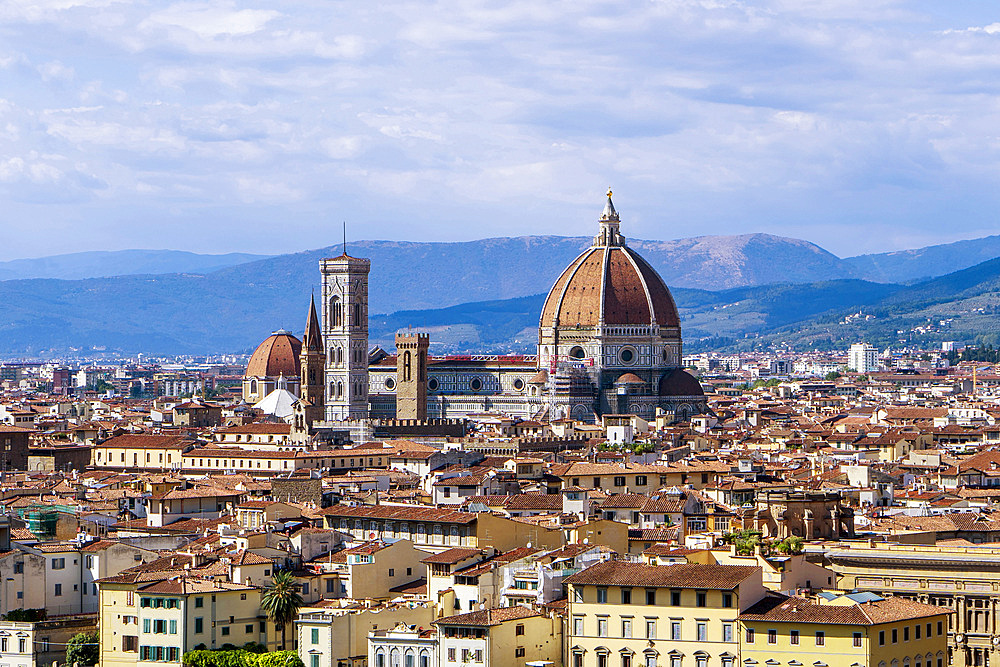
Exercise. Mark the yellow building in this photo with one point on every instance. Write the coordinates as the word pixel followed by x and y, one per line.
pixel 962 581
pixel 623 614
pixel 858 630
pixel 158 621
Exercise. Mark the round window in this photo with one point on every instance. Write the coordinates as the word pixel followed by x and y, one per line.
pixel 390 384
pixel 519 384
pixel 577 352
pixel 627 355
pixel 476 384
pixel 432 384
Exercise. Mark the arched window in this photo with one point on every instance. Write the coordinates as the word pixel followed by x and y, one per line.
pixel 380 658
pixel 340 389
pixel 357 322
pixel 253 386
pixel 336 312
pixel 407 371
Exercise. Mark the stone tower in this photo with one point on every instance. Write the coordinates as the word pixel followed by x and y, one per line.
pixel 345 335
pixel 411 376
pixel 313 362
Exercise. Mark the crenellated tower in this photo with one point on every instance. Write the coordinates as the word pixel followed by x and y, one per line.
pixel 411 375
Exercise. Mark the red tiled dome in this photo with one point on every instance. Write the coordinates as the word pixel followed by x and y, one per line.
pixel 630 378
pixel 612 285
pixel 679 382
pixel 277 355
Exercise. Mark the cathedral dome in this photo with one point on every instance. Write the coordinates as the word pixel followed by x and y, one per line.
pixel 679 382
pixel 609 284
pixel 277 355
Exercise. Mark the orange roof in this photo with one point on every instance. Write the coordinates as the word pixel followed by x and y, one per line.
pixel 609 284
pixel 277 355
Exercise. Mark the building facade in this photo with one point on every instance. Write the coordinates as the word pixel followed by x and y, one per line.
pixel 345 334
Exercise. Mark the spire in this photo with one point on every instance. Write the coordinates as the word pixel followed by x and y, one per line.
pixel 313 338
pixel 609 212
pixel 609 234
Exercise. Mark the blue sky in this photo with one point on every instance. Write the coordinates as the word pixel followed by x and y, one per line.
pixel 861 125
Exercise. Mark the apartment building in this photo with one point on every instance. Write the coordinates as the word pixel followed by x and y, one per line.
pixel 963 581
pixel 504 637
pixel 624 614
pixel 858 629
pixel 160 620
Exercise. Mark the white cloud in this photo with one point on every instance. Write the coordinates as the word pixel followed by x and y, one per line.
pixel 708 116
pixel 209 21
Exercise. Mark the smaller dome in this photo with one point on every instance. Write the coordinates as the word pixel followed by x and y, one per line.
pixel 541 377
pixel 679 382
pixel 277 355
pixel 630 378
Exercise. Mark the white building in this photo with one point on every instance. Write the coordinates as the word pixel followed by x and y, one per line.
pixel 862 358
pixel 403 646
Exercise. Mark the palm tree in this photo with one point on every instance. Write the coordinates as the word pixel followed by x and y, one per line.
pixel 281 601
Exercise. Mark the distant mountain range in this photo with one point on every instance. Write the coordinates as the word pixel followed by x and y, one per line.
pixel 99 264
pixel 733 291
pixel 963 306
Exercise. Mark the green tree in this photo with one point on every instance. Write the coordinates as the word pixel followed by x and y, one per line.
pixel 792 546
pixel 745 540
pixel 83 648
pixel 281 601
pixel 832 375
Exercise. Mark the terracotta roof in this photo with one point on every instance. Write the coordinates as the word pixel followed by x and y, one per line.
pixel 617 573
pixel 451 556
pixel 679 382
pixel 399 513
pixel 149 441
pixel 632 292
pixel 488 617
pixel 778 608
pixel 277 355
pixel 263 429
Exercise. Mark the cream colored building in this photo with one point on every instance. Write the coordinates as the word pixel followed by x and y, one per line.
pixel 156 622
pixel 964 581
pixel 623 614
pixel 859 630
pixel 503 637
pixel 331 636
pixel 137 453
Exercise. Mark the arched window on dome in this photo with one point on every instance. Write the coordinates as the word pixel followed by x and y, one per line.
pixel 577 352
pixel 253 387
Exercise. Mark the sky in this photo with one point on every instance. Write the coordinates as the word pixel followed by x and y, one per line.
pixel 860 125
